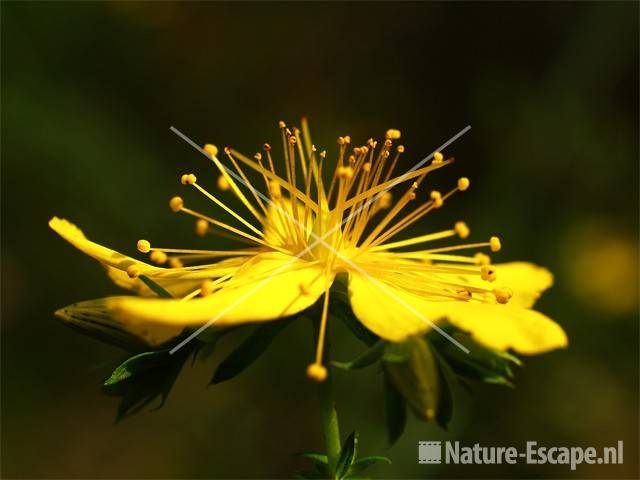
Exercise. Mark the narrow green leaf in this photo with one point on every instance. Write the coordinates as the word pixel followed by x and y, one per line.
pixel 157 289
pixel 347 455
pixel 249 350
pixel 395 410
pixel 359 466
pixel 316 457
pixel 366 358
pixel 136 365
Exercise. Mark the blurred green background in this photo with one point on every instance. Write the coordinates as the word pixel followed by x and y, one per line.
pixel 89 91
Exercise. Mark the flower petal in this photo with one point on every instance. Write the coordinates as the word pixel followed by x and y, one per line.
pixel 395 314
pixel 501 327
pixel 391 313
pixel 270 286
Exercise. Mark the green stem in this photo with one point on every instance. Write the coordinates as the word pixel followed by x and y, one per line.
pixel 330 427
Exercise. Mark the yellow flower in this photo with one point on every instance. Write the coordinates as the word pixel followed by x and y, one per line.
pixel 301 232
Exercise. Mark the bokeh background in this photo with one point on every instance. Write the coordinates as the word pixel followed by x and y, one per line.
pixel 89 91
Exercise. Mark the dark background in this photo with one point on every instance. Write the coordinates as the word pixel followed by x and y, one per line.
pixel 89 91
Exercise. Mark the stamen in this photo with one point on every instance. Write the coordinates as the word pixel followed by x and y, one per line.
pixel 316 371
pixel 503 295
pixel 159 258
pixel 488 273
pixel 202 227
pixel 144 246
pixel 393 134
pixel 133 271
pixel 437 158
pixel 461 229
pixel 222 183
pixel 463 184
pixel 494 243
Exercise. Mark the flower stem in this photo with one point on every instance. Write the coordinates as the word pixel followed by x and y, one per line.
pixel 330 427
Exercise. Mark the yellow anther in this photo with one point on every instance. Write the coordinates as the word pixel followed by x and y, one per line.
pixel 133 271
pixel 436 196
pixel 393 134
pixel 463 184
pixel 159 258
pixel 266 147
pixel 488 273
pixel 304 289
pixel 323 153
pixel 503 295
pixel 144 246
pixel 385 200
pixel 387 143
pixel 281 124
pixel 175 263
pixel 340 140
pixel 357 151
pixel 222 183
pixel 275 190
pixel 364 149
pixel 461 229
pixel 400 148
pixel 317 372
pixel 258 156
pixel 494 243
pixel 344 172
pixel 188 179
pixel 366 167
pixel 347 139
pixel 482 259
pixel 207 288
pixel 176 204
pixel 202 227
pixel 314 148
pixel 464 295
pixel 412 196
pixel 211 149
pixel 292 140
pixel 437 157
pixel 227 150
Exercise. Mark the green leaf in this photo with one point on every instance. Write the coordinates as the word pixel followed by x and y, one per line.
pixel 347 455
pixel 249 350
pixel 447 378
pixel 146 377
pixel 395 411
pixel 366 358
pixel 315 456
pixel 359 466
pixel 480 363
pixel 417 378
pixel 157 289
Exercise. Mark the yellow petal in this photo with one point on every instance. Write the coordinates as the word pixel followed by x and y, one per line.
pixel 395 314
pixel 526 280
pixel 391 313
pixel 503 327
pixel 176 287
pixel 270 286
pixel 97 319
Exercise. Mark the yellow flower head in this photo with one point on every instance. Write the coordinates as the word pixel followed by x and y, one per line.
pixel 300 231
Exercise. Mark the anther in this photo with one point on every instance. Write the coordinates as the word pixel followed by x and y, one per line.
pixel 176 204
pixel 393 134
pixel 387 143
pixel 323 153
pixel 281 124
pixel 385 200
pixel 366 167
pixel 175 263
pixel 274 189
pixel 188 179
pixel 461 229
pixel 347 139
pixel 202 227
pixel 340 140
pixel 344 172
pixel 488 273
pixel 482 259
pixel 133 271
pixel 227 150
pixel 437 158
pixel 222 183
pixel 400 148
pixel 266 147
pixel 463 184
pixel 211 149
pixel 207 288
pixel 436 196
pixel 144 246
pixel 503 295
pixel 258 156
pixel 159 258
pixel 317 372
pixel 314 148
pixel 464 294
pixel 292 140
pixel 494 243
